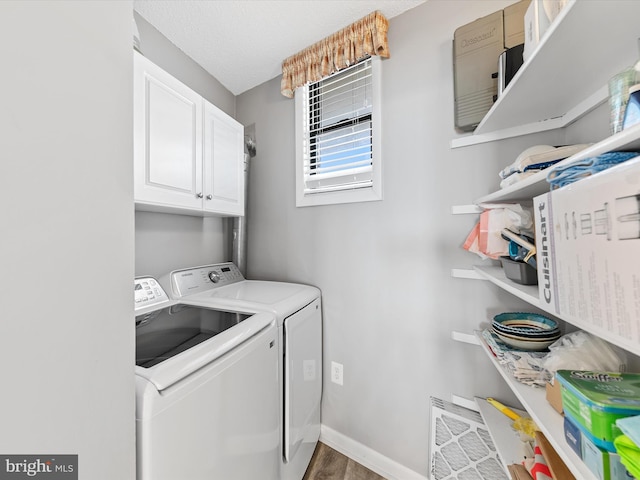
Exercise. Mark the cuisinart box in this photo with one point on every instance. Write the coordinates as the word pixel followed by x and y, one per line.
pixel 476 49
pixel 588 246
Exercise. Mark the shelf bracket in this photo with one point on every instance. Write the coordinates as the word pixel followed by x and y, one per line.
pixel 469 338
pixel 464 402
pixel 465 209
pixel 465 273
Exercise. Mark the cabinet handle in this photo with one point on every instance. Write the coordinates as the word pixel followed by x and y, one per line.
pixel 209 197
pixel 199 194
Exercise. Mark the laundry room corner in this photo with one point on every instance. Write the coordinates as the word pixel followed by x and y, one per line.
pixel 383 267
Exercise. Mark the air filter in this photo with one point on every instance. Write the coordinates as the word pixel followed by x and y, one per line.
pixel 461 447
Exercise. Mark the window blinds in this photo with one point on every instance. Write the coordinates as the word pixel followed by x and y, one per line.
pixel 337 145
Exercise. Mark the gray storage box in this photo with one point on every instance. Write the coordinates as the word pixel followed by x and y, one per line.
pixel 519 272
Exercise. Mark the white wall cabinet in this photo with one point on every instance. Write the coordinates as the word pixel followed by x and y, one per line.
pixel 188 154
pixel 512 116
pixel 223 163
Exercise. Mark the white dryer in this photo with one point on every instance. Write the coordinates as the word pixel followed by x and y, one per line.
pixel 298 312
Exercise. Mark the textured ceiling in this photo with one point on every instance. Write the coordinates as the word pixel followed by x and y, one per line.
pixel 242 43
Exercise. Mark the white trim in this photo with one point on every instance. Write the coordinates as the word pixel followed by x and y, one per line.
pixel 367 457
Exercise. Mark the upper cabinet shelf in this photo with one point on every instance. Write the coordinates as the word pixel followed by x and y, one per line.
pixel 567 75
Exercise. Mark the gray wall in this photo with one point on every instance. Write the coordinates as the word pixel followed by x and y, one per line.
pixel 166 242
pixel 389 301
pixel 67 331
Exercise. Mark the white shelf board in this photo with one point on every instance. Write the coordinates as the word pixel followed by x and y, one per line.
pixel 529 293
pixel 587 44
pixel 627 140
pixel 566 76
pixel 546 418
pixel 495 274
pixel 506 439
pixel 469 139
pixel 526 189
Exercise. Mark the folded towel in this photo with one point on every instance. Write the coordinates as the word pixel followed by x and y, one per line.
pixel 561 176
pixel 515 178
pixel 540 157
pixel 630 426
pixel 629 454
pixel 526 157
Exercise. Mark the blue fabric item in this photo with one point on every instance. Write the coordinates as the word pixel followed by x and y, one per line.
pixel 630 426
pixel 541 166
pixel 561 176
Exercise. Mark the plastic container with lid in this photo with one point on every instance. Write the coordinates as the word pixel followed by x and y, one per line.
pixel 619 86
pixel 632 110
pixel 595 400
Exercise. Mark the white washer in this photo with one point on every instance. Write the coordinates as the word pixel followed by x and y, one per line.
pixel 298 313
pixel 207 390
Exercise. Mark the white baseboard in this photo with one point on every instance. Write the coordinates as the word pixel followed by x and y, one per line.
pixel 383 466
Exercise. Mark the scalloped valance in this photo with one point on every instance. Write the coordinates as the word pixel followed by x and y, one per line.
pixel 367 36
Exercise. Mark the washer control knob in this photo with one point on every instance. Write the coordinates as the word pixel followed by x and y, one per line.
pixel 214 276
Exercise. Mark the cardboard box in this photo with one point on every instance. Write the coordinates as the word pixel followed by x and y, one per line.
pixel 514 23
pixel 476 48
pixel 573 436
pixel 595 400
pixel 538 17
pixel 603 464
pixel 554 462
pixel 554 395
pixel 588 243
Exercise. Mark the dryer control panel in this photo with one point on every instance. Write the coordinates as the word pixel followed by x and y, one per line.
pixel 148 292
pixel 199 279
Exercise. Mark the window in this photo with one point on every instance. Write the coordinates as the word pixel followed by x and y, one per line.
pixel 337 137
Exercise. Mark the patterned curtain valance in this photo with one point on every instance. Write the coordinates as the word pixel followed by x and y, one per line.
pixel 367 36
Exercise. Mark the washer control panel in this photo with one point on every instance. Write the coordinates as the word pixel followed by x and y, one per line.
pixel 148 292
pixel 199 279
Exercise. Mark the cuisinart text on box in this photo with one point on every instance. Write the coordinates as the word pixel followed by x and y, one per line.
pixel 588 246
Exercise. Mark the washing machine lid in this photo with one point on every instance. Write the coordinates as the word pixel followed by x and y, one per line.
pixel 267 293
pixel 282 299
pixel 162 334
pixel 222 285
pixel 174 342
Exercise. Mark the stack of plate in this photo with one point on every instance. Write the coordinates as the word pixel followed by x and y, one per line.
pixel 525 331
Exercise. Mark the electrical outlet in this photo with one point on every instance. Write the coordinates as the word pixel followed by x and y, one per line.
pixel 336 373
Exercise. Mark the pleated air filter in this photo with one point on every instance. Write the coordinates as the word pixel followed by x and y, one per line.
pixel 461 447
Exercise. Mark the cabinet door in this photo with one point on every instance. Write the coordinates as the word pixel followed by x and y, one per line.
pixel 223 163
pixel 167 139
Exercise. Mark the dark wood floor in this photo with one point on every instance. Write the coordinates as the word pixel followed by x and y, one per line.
pixel 327 464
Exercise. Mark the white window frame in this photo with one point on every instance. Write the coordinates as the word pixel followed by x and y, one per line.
pixel 366 194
